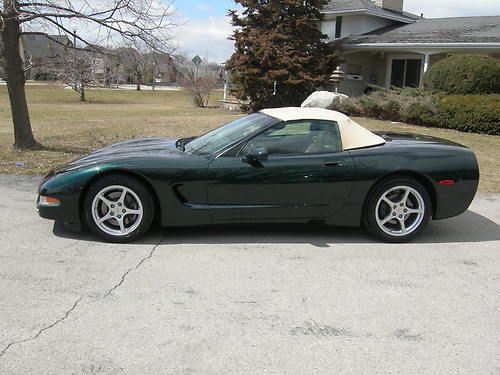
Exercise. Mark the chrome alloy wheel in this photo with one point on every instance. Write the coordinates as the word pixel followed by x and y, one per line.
pixel 400 211
pixel 117 210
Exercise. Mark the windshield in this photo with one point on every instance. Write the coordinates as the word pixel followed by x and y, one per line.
pixel 226 135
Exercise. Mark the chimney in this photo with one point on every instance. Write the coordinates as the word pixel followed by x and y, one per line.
pixel 394 5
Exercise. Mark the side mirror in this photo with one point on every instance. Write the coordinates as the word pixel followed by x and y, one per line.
pixel 255 154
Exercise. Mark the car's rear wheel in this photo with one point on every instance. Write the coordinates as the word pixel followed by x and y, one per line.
pixel 398 210
pixel 118 208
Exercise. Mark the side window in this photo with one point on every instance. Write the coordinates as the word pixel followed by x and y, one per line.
pixel 299 137
pixel 293 128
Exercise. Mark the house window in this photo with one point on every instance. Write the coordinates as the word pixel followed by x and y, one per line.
pixel 338 27
pixel 406 72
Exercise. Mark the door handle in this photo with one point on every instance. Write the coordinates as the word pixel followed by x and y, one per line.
pixel 333 164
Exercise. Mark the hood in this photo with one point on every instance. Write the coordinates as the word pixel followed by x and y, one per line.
pixel 134 149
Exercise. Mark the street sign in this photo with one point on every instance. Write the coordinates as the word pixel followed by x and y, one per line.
pixel 197 60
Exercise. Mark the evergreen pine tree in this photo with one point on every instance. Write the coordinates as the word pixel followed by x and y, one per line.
pixel 278 42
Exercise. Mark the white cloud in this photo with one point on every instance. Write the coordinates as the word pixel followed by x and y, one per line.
pixel 206 37
pixel 453 8
pixel 203 8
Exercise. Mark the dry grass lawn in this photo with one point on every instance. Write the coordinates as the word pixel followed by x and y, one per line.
pixel 68 129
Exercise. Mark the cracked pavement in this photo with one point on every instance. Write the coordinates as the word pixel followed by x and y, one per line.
pixel 245 300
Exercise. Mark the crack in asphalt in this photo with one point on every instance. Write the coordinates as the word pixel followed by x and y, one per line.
pixel 68 312
pixel 124 276
pixel 60 320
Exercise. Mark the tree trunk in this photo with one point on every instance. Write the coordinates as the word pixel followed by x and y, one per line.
pixel 139 81
pixel 23 135
pixel 82 94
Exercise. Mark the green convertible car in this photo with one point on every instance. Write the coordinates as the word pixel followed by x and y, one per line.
pixel 292 165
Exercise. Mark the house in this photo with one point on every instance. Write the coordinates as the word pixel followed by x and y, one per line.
pixel 105 65
pixel 383 45
pixel 43 55
pixel 165 71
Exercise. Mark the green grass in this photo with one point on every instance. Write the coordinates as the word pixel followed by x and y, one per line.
pixel 68 129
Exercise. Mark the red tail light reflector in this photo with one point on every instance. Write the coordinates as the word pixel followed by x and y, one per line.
pixel 447 182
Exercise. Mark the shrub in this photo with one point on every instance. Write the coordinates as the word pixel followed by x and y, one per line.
pixel 370 106
pixel 349 107
pixel 379 105
pixel 465 75
pixel 392 109
pixel 387 105
pixel 420 113
pixel 199 87
pixel 478 114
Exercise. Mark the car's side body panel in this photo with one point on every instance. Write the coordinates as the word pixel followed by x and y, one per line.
pixel 282 187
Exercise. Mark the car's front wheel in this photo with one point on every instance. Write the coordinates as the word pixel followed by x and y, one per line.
pixel 118 208
pixel 398 210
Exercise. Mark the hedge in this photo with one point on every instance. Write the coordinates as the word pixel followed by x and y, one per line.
pixel 476 114
pixel 465 75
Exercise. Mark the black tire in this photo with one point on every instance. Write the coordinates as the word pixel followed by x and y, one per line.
pixel 137 198
pixel 417 221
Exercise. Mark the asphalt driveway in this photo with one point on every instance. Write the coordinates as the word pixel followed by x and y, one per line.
pixel 249 300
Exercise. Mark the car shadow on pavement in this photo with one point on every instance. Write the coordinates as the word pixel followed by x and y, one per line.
pixel 468 227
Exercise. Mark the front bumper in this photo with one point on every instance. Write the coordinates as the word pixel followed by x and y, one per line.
pixel 67 187
pixel 53 212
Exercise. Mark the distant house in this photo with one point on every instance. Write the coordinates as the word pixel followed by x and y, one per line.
pixel 165 69
pixel 383 45
pixel 43 55
pixel 157 67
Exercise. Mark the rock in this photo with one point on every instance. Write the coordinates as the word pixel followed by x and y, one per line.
pixel 323 99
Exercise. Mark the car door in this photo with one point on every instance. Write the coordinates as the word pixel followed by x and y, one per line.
pixel 306 175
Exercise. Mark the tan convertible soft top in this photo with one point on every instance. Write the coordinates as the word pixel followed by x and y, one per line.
pixel 353 135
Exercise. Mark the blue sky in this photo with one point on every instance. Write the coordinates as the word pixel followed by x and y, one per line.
pixel 198 9
pixel 205 27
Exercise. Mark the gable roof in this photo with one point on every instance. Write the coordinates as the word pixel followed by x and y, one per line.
pixel 42 46
pixel 366 7
pixel 435 31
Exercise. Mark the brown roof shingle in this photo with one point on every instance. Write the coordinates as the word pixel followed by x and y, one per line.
pixel 436 30
pixel 365 6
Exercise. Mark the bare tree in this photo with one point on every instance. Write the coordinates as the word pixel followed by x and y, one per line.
pixel 129 20
pixel 199 82
pixel 135 63
pixel 81 70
